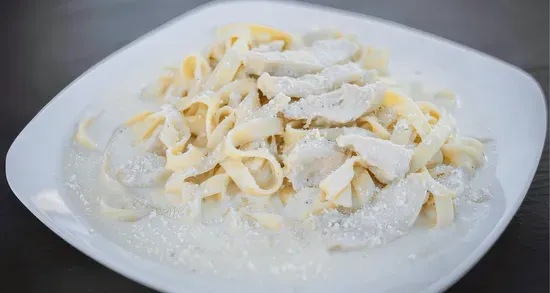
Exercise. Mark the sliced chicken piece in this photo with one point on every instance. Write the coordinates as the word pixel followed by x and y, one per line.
pixel 340 106
pixel 386 160
pixel 299 62
pixel 390 214
pixel 401 202
pixel 314 84
pixel 311 160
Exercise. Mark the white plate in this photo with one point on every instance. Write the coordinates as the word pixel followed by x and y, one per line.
pixel 495 95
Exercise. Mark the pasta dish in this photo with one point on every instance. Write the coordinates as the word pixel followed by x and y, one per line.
pixel 278 131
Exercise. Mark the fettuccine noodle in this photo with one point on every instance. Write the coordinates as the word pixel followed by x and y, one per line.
pixel 308 121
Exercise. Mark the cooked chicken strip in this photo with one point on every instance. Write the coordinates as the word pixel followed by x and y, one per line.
pixel 388 161
pixel 297 63
pixel 311 160
pixel 314 84
pixel 340 106
pixel 392 211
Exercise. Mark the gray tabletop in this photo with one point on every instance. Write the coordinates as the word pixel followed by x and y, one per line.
pixel 45 44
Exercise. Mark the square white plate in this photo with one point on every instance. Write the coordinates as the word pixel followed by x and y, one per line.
pixel 496 95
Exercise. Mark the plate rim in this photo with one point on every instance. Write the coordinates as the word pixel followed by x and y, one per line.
pixel 438 286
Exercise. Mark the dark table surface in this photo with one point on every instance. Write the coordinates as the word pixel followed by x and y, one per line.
pixel 45 44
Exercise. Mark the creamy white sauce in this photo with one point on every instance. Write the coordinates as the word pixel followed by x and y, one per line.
pixel 236 248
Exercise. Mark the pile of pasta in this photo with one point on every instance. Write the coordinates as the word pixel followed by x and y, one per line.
pixel 309 121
